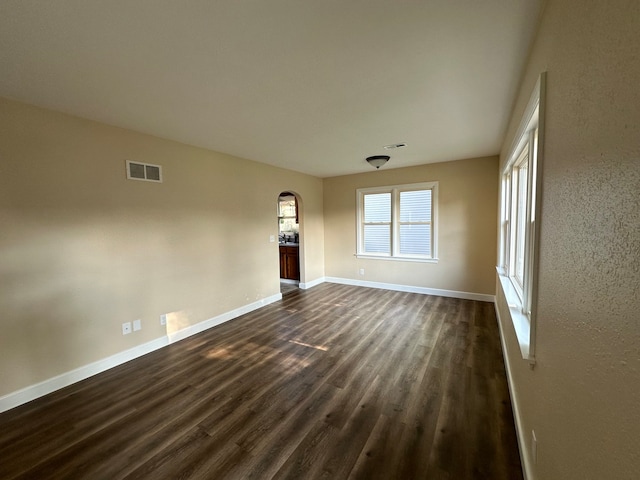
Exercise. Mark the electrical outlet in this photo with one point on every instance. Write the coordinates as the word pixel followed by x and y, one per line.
pixel 126 328
pixel 534 447
pixel 163 319
pixel 362 271
pixel 137 325
pixel 272 238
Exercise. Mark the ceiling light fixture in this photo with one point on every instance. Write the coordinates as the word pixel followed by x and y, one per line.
pixel 378 160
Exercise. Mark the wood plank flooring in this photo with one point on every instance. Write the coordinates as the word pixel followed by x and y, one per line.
pixel 335 382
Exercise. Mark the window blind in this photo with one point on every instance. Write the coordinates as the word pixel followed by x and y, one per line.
pixel 415 222
pixel 377 223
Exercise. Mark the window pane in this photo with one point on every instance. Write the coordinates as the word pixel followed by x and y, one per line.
pixel 522 221
pixel 287 208
pixel 377 207
pixel 377 238
pixel 534 173
pixel 415 206
pixel 415 240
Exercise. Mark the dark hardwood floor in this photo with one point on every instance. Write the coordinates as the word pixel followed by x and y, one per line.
pixel 333 382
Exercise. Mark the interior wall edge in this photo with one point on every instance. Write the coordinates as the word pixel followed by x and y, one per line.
pixel 312 283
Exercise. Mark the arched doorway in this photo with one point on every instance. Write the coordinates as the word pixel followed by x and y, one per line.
pixel 289 241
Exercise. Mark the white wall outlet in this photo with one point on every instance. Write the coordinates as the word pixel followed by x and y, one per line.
pixel 534 447
pixel 362 271
pixel 272 238
pixel 137 325
pixel 163 319
pixel 126 328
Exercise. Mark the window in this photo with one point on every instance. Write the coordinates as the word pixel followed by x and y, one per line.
pixel 519 216
pixel 519 211
pixel 287 214
pixel 376 228
pixel 398 222
pixel 520 176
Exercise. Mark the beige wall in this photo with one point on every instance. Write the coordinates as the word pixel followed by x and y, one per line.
pixel 83 250
pixel 583 396
pixel 467 202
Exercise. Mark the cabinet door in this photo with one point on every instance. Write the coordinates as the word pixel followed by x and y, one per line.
pixel 293 269
pixel 283 263
pixel 289 264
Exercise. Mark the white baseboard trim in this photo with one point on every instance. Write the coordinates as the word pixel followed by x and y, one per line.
pixel 27 394
pixel 411 289
pixel 50 385
pixel 312 283
pixel 225 317
pixel 524 458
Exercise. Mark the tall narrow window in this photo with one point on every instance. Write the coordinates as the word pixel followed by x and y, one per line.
pixel 505 210
pixel 415 222
pixel 519 210
pixel 398 222
pixel 377 223
pixel 519 207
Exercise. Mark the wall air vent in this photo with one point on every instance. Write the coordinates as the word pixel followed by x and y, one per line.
pixel 144 171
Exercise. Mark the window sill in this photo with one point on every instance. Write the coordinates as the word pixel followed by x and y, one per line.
pixel 398 259
pixel 520 321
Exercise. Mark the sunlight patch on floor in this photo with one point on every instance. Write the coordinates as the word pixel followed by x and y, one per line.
pixel 317 347
pixel 220 354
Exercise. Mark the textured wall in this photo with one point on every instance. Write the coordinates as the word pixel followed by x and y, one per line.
pixel 583 396
pixel 83 250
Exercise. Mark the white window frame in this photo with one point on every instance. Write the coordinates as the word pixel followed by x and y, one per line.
pixel 395 223
pixel 521 291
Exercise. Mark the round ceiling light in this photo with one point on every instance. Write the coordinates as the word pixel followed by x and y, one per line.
pixel 378 160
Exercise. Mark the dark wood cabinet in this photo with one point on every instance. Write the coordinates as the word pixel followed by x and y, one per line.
pixel 289 262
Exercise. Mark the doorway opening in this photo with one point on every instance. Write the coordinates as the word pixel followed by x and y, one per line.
pixel 289 242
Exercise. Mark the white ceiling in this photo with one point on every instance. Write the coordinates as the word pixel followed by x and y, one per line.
pixel 309 85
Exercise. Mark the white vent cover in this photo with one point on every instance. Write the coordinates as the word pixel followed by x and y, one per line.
pixel 144 171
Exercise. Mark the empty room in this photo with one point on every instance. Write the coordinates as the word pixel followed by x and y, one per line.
pixel 346 240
